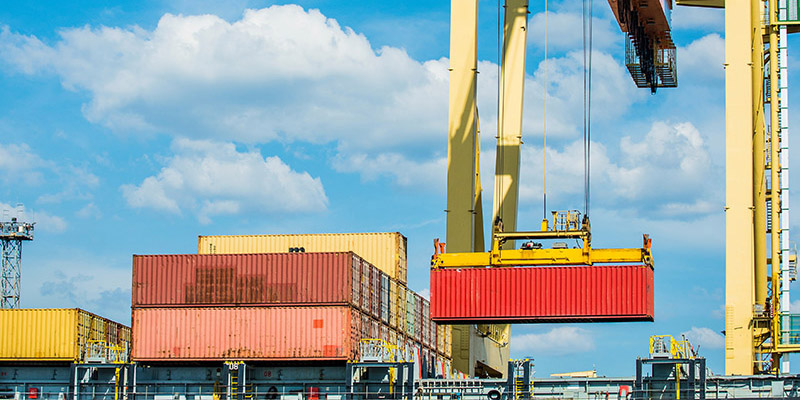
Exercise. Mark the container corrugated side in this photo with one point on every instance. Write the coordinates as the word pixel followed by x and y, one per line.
pixel 256 279
pixel 246 333
pixel 385 250
pixel 366 283
pixel 393 304
pixel 401 308
pixel 542 294
pixel 375 291
pixel 411 316
pixel 384 298
pixel 57 334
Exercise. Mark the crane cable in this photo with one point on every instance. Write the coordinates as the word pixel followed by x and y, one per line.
pixel 499 175
pixel 587 101
pixel 544 146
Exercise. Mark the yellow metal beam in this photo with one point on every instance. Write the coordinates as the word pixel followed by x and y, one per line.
pixel 739 249
pixel 462 126
pixel 461 150
pixel 543 257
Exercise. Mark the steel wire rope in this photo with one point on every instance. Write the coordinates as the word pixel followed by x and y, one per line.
pixel 499 148
pixel 587 103
pixel 544 146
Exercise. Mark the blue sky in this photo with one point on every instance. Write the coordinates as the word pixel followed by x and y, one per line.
pixel 132 128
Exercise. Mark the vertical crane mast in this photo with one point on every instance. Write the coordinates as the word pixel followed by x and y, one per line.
pixel 463 142
pixel 464 204
pixel 509 124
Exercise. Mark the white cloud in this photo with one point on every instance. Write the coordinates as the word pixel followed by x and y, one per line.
pixel 430 174
pixel 94 285
pixel 425 293
pixel 675 154
pixel 90 210
pixel 558 341
pixel 286 74
pixel 687 18
pixel 279 73
pixel 613 93
pixel 212 178
pixel 705 337
pixel 703 59
pixel 19 164
pixel 43 221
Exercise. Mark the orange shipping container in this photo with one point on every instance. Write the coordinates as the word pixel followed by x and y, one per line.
pixel 246 333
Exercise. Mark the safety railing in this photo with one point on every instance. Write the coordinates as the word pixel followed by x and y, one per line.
pixel 100 351
pixel 666 346
pixel 379 350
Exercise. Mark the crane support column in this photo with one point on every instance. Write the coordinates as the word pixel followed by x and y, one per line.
pixel 739 228
pixel 464 206
pixel 463 127
pixel 509 131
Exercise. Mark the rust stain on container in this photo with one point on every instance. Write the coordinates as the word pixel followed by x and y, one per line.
pixel 252 279
pixel 542 294
pixel 246 333
pixel 385 250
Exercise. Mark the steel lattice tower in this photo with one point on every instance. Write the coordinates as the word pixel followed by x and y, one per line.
pixel 12 234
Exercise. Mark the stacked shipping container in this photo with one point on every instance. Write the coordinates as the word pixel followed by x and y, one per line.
pixel 289 306
pixel 385 250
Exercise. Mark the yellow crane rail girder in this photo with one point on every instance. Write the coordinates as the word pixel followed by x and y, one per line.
pixel 543 257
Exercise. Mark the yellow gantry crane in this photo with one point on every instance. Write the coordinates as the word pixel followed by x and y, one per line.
pixel 760 264
pixel 482 350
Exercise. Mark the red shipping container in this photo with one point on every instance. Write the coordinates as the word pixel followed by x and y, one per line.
pixel 246 333
pixel 542 294
pixel 253 279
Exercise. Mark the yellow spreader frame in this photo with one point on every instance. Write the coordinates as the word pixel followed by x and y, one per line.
pixel 583 255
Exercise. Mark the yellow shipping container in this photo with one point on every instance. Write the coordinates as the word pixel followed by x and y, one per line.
pixel 386 250
pixel 55 334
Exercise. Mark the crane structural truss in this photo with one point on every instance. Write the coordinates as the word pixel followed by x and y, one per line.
pixel 12 234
